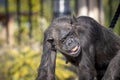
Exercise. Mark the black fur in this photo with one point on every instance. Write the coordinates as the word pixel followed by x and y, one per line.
pixel 92 48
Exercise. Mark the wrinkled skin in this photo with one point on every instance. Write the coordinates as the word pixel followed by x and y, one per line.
pixel 92 48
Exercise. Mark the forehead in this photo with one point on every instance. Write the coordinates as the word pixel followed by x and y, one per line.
pixel 59 31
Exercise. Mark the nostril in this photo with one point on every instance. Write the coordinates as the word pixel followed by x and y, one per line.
pixel 70 43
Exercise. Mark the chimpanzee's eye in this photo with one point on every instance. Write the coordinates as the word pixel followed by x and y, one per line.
pixel 63 40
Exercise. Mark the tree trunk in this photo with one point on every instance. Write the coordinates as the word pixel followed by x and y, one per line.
pixel 92 8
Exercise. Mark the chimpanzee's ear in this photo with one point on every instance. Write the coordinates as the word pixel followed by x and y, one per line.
pixel 50 40
pixel 73 20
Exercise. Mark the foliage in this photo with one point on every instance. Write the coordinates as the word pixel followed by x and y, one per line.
pixel 63 71
pixel 22 32
pixel 19 64
pixel 109 13
pixel 37 30
pixel 22 64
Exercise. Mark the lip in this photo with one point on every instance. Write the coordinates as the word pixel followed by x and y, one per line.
pixel 75 50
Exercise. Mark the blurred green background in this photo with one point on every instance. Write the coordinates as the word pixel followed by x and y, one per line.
pixel 19 59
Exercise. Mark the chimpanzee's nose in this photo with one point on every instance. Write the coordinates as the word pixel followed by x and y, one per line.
pixel 70 42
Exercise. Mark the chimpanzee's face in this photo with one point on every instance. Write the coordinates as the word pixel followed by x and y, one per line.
pixel 66 40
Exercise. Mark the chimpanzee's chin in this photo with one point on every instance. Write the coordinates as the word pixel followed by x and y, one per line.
pixel 76 54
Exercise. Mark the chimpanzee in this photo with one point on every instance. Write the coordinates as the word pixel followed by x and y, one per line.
pixel 93 49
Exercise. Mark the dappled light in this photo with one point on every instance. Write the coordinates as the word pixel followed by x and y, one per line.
pixel 22 27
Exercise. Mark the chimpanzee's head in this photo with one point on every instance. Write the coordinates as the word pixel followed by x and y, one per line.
pixel 64 37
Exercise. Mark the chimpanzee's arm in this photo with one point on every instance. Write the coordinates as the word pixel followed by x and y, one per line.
pixel 113 70
pixel 46 69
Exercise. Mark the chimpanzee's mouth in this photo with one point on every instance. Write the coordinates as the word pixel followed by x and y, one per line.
pixel 75 50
